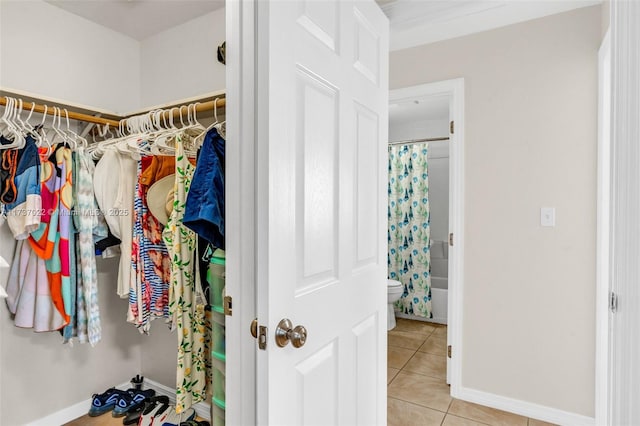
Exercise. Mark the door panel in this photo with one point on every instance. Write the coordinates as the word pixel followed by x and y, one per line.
pixel 317 181
pixel 320 19
pixel 322 185
pixel 367 215
pixel 317 385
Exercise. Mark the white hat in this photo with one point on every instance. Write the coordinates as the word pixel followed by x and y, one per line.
pixel 157 197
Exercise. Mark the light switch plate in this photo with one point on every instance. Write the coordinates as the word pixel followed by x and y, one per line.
pixel 548 216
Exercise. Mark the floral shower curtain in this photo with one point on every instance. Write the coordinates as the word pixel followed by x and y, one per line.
pixel 409 258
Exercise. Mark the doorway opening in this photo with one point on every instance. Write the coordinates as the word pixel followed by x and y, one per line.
pixel 426 134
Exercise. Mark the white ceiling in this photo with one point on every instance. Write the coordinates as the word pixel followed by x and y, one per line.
pixel 139 19
pixel 413 22
pixel 416 22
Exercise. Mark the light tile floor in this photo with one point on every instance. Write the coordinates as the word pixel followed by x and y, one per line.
pixel 417 390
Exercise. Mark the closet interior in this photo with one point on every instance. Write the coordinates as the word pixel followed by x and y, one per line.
pixel 112 259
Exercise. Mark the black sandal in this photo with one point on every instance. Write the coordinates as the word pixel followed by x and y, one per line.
pixel 195 423
pixel 133 414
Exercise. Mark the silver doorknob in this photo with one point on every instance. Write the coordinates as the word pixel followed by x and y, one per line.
pixel 285 333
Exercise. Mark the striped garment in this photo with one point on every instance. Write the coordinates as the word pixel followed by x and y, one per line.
pixel 149 295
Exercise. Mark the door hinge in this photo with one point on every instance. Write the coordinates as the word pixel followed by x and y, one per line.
pixel 262 337
pixel 451 239
pixel 613 302
pixel 452 127
pixel 228 301
pixel 449 351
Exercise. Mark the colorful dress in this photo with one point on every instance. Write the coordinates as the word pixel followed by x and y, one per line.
pixel 34 287
pixel 29 295
pixel 66 251
pixel 44 240
pixel 186 301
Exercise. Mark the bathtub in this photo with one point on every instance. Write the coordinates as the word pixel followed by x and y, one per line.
pixel 439 284
pixel 439 281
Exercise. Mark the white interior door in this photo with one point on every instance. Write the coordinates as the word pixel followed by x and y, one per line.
pixel 322 78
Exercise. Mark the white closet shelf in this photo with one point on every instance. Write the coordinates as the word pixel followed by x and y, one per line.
pixel 206 102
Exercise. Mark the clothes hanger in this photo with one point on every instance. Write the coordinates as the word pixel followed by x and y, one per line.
pixel 194 126
pixel 111 143
pixel 138 143
pixel 222 128
pixel 76 137
pixel 12 132
pixel 215 122
pixel 43 135
pixel 171 130
pixel 190 147
pixel 30 129
pixel 160 125
pixel 55 128
pixel 25 126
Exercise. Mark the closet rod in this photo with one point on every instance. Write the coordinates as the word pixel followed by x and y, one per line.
pixel 200 107
pixel 419 140
pixel 175 111
pixel 26 106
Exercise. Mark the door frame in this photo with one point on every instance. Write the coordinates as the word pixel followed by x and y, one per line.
pixel 603 226
pixel 623 391
pixel 454 90
pixel 240 214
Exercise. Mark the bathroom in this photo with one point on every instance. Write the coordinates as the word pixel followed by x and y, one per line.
pixel 418 208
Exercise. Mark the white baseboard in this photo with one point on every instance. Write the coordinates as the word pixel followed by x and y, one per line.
pixel 527 409
pixel 417 318
pixel 74 411
pixel 70 413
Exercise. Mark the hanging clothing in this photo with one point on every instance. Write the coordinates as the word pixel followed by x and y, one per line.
pixel 91 226
pixel 9 159
pixel 29 294
pixel 114 183
pixel 45 240
pixel 149 299
pixel 409 258
pixel 23 214
pixel 204 210
pixel 186 300
pixel 64 242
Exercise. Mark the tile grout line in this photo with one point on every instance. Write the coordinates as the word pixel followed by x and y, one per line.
pixel 407 362
pixel 418 405
pixel 449 406
pixel 402 370
pixel 422 374
pixel 467 418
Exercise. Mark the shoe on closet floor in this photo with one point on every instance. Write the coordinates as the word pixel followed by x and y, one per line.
pixel 154 412
pixel 131 398
pixel 196 423
pixel 132 416
pixel 105 402
pixel 171 418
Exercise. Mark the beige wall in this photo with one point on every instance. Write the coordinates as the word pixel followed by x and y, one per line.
pixel 40 375
pixel 531 116
pixel 606 14
pixel 159 353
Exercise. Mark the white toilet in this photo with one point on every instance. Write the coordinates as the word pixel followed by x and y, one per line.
pixel 394 291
